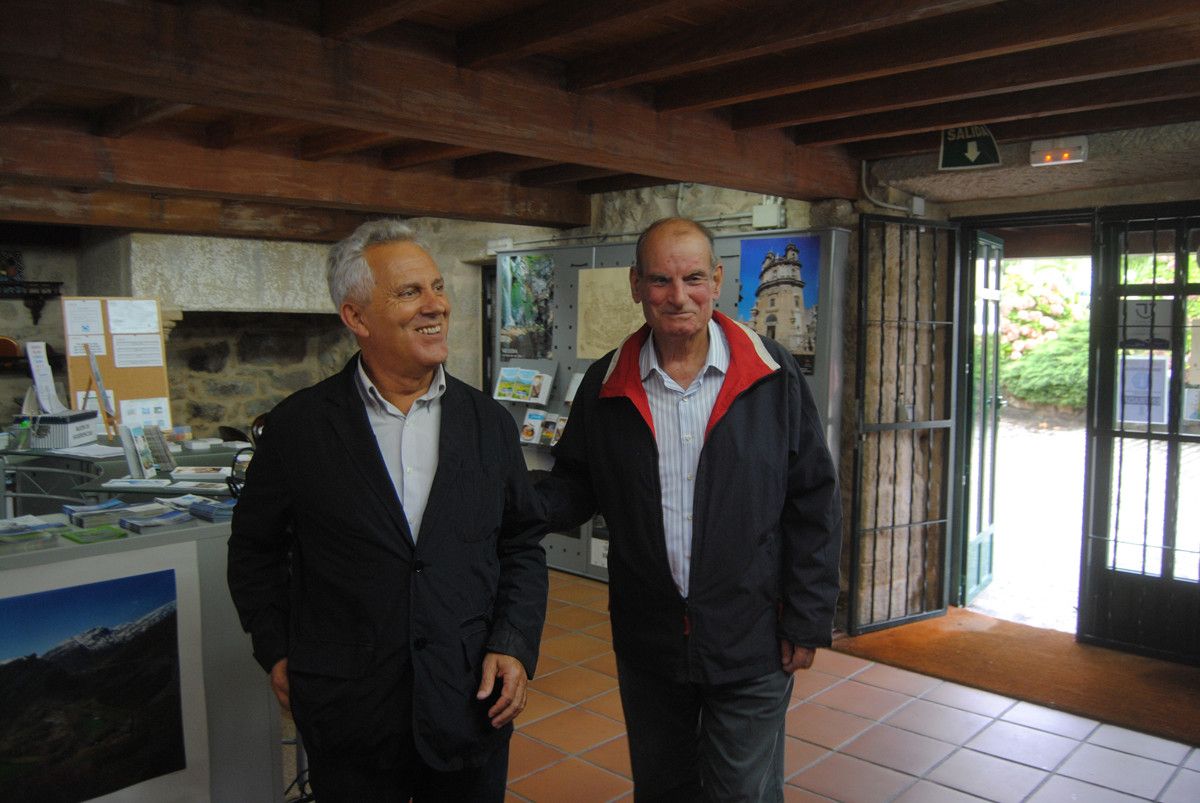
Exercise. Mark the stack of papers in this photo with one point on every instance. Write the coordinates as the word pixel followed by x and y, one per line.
pixel 213 511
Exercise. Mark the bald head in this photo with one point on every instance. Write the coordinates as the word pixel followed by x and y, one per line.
pixel 671 227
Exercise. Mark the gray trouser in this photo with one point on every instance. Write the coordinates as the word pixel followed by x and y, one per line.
pixel 694 742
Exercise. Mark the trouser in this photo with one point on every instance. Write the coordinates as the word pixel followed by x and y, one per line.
pixel 340 782
pixel 696 742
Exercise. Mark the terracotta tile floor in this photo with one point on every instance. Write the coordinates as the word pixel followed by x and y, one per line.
pixel 857 731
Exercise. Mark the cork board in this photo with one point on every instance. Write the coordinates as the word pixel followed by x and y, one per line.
pixel 124 336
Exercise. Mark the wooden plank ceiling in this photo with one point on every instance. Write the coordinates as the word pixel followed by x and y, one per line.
pixel 299 119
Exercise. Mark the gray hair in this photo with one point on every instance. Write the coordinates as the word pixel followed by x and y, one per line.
pixel 347 272
pixel 700 228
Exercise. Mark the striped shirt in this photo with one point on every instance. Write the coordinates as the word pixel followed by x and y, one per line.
pixel 407 443
pixel 680 417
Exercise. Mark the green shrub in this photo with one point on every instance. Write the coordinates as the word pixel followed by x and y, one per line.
pixel 1053 373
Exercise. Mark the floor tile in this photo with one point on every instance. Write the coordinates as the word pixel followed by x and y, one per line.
pixel 1184 788
pixel 605 663
pixel 900 750
pixel 1059 789
pixel 1122 771
pixel 794 794
pixel 799 755
pixel 574 684
pixel 574 647
pixel 574 730
pixel 608 704
pixel 1193 761
pixel 546 664
pixel 938 721
pixel 901 680
pixel 974 700
pixel 603 630
pixel 824 726
pixel 612 756
pixel 526 756
pixel 553 631
pixel 838 663
pixel 926 792
pixel 1049 720
pixel 987 776
pixel 851 780
pixel 572 780
pixel 573 617
pixel 579 593
pixel 537 706
pixel 853 697
pixel 1024 745
pixel 1140 744
pixel 809 682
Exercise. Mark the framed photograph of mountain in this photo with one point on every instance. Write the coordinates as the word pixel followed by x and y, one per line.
pixel 98 681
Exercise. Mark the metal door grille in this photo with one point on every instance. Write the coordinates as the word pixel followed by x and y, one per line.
pixel 904 392
pixel 1141 572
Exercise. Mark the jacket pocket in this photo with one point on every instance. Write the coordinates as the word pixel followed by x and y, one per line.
pixel 473 633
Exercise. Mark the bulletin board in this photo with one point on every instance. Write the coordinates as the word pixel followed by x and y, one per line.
pixel 124 336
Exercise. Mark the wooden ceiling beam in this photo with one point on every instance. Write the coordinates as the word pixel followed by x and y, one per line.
pixel 247 127
pixel 1083 61
pixel 336 143
pixel 259 67
pixel 496 164
pixel 1063 125
pixel 962 37
pixel 542 27
pixel 563 174
pixel 1180 82
pixel 131 114
pixel 342 19
pixel 416 154
pixel 780 26
pixel 28 203
pixel 620 183
pixel 16 95
pixel 55 155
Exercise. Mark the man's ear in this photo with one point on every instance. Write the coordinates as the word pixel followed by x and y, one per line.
pixel 352 316
pixel 633 285
pixel 718 275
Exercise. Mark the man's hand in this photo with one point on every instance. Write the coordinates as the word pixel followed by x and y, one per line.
pixel 279 684
pixel 513 688
pixel 793 657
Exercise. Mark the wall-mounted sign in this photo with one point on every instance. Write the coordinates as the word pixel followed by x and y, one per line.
pixel 968 147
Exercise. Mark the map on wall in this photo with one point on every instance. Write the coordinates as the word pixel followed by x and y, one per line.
pixel 607 312
pixel 526 296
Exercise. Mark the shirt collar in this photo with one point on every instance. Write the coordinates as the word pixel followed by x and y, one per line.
pixel 717 358
pixel 371 395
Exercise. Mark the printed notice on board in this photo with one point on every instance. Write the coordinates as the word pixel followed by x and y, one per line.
pixel 137 351
pixel 81 317
pixel 132 316
pixel 146 412
pixel 78 345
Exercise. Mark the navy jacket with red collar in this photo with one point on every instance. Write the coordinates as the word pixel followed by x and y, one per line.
pixel 767 514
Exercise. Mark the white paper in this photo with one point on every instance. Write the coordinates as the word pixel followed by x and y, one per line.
pixel 146 412
pixel 81 316
pixel 76 343
pixel 43 378
pixel 97 450
pixel 137 351
pixel 131 316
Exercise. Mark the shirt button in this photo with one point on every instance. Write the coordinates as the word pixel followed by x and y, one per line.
pixel 689 517
pixel 408 470
pixel 418 566
pixel 691 477
pixel 687 438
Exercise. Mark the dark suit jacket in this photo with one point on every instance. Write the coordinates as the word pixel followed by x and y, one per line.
pixel 384 638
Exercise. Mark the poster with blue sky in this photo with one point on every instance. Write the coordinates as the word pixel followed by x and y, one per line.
pixel 90 699
pixel 754 251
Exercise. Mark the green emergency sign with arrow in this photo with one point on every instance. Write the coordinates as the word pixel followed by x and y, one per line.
pixel 968 147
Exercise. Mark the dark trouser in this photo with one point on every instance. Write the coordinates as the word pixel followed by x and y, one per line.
pixel 693 742
pixel 337 782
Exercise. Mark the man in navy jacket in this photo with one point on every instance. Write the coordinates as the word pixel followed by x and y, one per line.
pixel 385 554
pixel 700 444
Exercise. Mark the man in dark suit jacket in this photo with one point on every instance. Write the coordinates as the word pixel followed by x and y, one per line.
pixel 385 554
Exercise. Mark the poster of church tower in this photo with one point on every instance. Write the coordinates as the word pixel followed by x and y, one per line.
pixel 780 284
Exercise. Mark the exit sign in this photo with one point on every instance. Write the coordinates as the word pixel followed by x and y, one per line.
pixel 968 147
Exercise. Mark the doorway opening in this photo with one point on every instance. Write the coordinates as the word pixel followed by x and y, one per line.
pixel 1028 438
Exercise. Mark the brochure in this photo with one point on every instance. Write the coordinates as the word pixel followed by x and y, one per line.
pixel 531 430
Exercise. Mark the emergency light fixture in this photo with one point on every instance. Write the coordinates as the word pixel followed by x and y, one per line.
pixel 1061 151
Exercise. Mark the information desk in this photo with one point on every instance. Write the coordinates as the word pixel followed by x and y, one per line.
pixel 230 719
pixel 42 480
